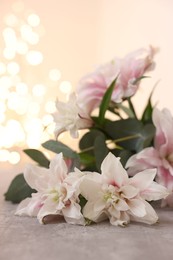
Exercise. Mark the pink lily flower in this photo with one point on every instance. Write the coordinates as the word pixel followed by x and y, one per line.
pixel 160 156
pixel 112 194
pixel 92 87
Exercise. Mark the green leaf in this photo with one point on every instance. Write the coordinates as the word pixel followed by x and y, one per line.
pixel 146 137
pixel 100 150
pixel 86 159
pixel 130 134
pixel 147 114
pixel 125 155
pixel 139 79
pixel 105 102
pixel 122 128
pixel 82 202
pixel 131 107
pixel 18 190
pixel 58 147
pixel 38 157
pixel 86 143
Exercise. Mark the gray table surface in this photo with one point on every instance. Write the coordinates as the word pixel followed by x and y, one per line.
pixel 24 238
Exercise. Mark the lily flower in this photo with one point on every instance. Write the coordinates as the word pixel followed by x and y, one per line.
pixel 129 71
pixel 160 156
pixel 56 193
pixel 70 117
pixel 112 194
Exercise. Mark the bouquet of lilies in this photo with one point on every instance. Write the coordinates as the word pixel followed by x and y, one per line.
pixel 123 162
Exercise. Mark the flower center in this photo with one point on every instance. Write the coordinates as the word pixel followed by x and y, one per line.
pixel 111 197
pixel 55 195
pixel 170 158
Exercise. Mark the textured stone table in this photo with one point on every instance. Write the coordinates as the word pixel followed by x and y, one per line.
pixel 25 239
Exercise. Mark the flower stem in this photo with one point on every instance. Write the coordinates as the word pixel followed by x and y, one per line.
pixel 126 138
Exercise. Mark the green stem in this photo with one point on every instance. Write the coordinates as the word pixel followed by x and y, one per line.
pixel 113 141
pixel 132 107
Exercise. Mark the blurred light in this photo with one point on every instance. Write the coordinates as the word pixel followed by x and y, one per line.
pixel 50 107
pixel 34 57
pixel 22 47
pixel 4 92
pixel 21 88
pixel 34 38
pixel 33 141
pixel 4 155
pixel 9 53
pixel 13 100
pixel 45 136
pixel 18 6
pixel 9 36
pixel 50 129
pixel 15 131
pixel 2 107
pixel 22 106
pixel 2 118
pixel 26 32
pixel 5 82
pixel 33 125
pixel 33 108
pixel 33 20
pixel 65 87
pixel 2 68
pixel 47 120
pixel 11 134
pixel 14 157
pixel 11 20
pixel 54 74
pixel 13 68
pixel 39 90
pixel 15 79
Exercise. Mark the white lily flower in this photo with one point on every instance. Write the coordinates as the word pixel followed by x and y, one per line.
pixel 56 193
pixel 70 117
pixel 112 194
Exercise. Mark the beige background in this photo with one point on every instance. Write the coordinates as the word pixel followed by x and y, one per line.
pixel 81 34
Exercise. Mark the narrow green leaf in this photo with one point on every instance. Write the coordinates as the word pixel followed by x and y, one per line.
pixel 147 114
pixel 105 102
pixel 18 190
pixel 131 107
pixel 139 79
pixel 38 157
pixel 58 147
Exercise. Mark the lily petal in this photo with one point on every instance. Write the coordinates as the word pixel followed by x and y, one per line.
pixel 123 220
pixel 58 168
pixel 155 192
pixel 72 214
pixel 36 177
pixel 150 217
pixel 128 191
pixel 143 179
pixel 49 208
pixel 90 186
pixel 29 206
pixel 90 213
pixel 137 207
pixel 113 171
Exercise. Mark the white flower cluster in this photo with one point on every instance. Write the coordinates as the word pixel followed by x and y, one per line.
pixel 110 195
